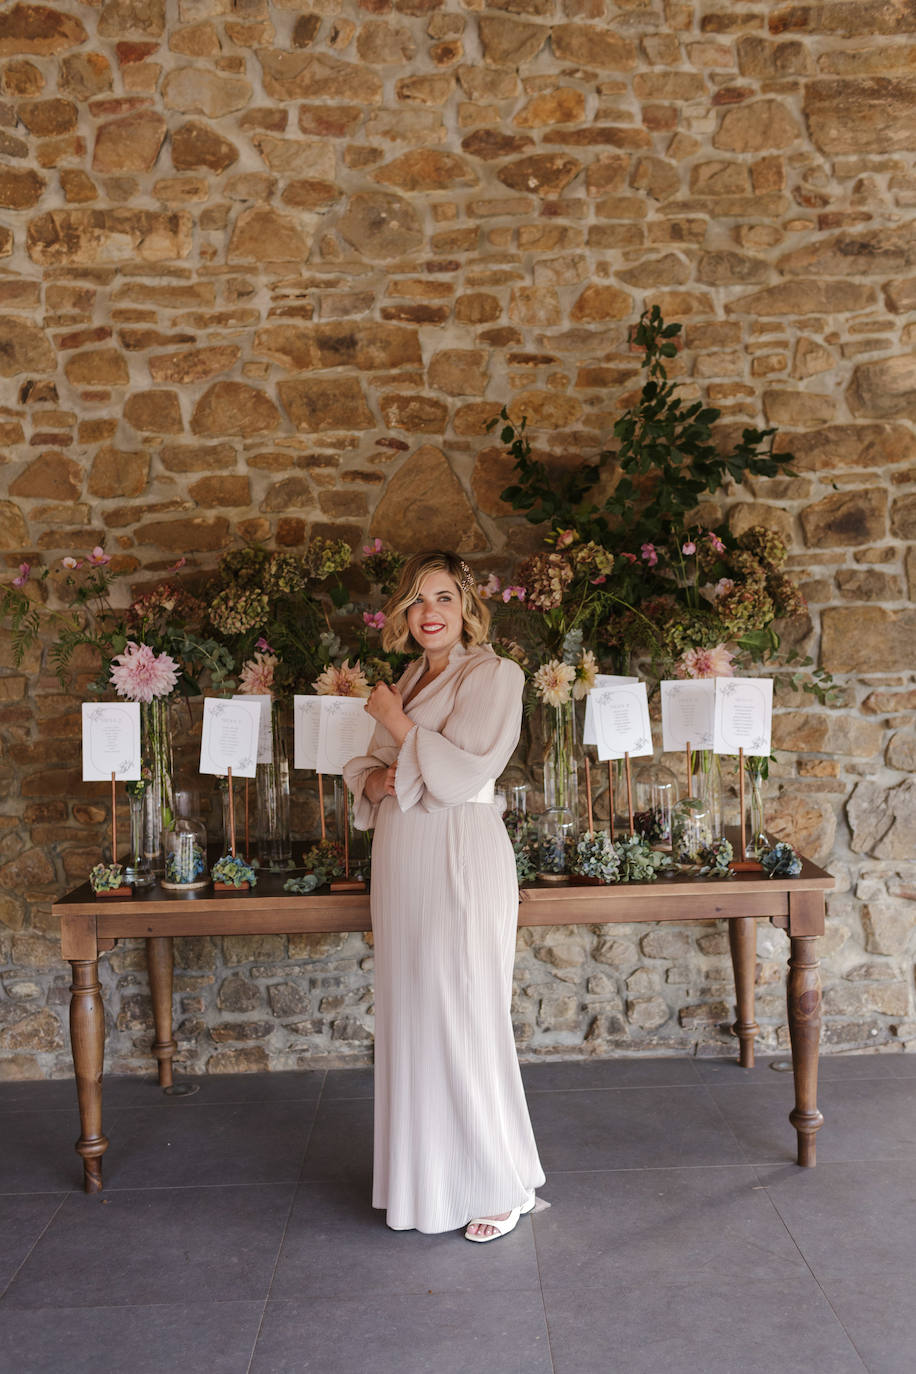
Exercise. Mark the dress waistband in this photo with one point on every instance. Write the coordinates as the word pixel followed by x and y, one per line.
pixel 487 793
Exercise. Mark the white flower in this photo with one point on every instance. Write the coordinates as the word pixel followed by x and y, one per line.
pixel 553 682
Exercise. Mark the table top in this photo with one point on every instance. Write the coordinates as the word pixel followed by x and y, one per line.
pixel 266 908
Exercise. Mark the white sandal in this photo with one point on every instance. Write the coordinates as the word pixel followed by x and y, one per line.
pixel 501 1228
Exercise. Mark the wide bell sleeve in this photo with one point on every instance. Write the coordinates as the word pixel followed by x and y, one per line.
pixel 443 768
pixel 382 753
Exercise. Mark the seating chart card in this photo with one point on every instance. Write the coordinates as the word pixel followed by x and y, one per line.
pixel 111 741
pixel 265 738
pixel 688 713
pixel 621 716
pixel 329 731
pixel 744 715
pixel 601 680
pixel 230 736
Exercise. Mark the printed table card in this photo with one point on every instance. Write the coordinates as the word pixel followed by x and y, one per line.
pixel 329 731
pixel 265 738
pixel 621 716
pixel 230 736
pixel 111 741
pixel 688 713
pixel 601 680
pixel 744 715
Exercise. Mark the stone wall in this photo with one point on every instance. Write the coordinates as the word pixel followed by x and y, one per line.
pixel 269 266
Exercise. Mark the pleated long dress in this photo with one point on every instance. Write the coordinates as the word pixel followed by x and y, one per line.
pixel 453 1139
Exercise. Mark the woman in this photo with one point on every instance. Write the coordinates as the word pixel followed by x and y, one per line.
pixel 452 1136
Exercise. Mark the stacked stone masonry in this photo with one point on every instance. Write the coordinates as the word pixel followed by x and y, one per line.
pixel 269 267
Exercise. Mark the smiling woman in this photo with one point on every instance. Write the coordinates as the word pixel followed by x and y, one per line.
pixel 453 1140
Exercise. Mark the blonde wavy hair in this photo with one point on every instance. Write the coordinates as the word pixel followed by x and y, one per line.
pixel 474 613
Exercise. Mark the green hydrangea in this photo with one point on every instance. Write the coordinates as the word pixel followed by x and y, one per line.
pixel 236 610
pixel 638 862
pixel 597 857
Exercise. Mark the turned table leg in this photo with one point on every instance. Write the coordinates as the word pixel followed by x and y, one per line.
pixel 159 961
pixel 742 940
pixel 87 1038
pixel 804 1001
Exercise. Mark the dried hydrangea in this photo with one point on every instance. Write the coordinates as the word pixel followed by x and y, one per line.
pixel 106 877
pixel 748 606
pixel 781 861
pixel 715 859
pixel 284 573
pixel 546 577
pixel 765 544
pixel 236 610
pixel 324 557
pixel 597 857
pixel 786 595
pixel 233 871
pixel 245 567
pixel 325 859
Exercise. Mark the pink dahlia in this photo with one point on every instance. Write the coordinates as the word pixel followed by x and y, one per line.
pixel 343 681
pixel 553 682
pixel 717 662
pixel 141 674
pixel 257 675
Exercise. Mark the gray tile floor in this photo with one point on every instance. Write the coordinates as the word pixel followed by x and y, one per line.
pixel 234 1235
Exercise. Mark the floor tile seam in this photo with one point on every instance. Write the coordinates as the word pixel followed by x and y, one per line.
pixel 442 1290
pixel 62 1193
pixel 728 1126
pixel 807 1263
pixel 650 1169
pixel 279 1251
pixel 27 1256
pixel 120 1306
pixel 537 1260
pixel 111 1188
pixel 620 1088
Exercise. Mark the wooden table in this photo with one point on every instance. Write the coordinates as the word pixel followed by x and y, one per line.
pixel 92 925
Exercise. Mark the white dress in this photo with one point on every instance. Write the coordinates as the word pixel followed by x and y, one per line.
pixel 453 1139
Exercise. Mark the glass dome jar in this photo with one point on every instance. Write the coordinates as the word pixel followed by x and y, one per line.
pixel 185 855
pixel 655 794
pixel 692 829
pixel 556 844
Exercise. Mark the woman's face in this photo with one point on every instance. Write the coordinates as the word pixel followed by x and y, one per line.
pixel 434 618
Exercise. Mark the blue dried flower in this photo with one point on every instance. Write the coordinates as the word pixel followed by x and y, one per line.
pixel 781 861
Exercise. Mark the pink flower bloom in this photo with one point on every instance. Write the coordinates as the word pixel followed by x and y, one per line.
pixel 98 558
pixel 631 557
pixel 649 555
pixel 489 588
pixel 141 674
pixel 509 592
pixel 180 564
pixel 715 662
pixel 689 548
pixel 72 562
pixel 263 645
pixel 374 619
pixel 565 538
pixel 724 584
pixel 375 547
pixel 715 542
pixel 257 675
pixel 343 681
pixel 22 579
pixel 597 581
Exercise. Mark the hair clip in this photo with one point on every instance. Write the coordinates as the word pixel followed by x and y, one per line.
pixel 467 577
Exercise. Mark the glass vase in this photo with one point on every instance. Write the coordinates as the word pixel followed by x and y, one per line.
pixel 275 849
pixel 691 830
pixel 556 844
pixel 186 855
pixel 137 871
pixel 159 810
pixel 357 844
pixel 654 798
pixel 707 788
pixel 561 773
pixel 755 840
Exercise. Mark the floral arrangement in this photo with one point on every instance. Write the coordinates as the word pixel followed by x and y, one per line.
pixel 186 866
pixel 638 862
pixel 106 877
pixel 715 860
pixel 522 833
pixel 271 612
pixel 781 861
pixel 555 853
pixel 325 860
pixel 233 871
pixel 147 649
pixel 597 857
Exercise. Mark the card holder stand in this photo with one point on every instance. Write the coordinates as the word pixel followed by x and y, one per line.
pixel 115 892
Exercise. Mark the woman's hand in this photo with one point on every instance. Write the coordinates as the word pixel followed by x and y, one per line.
pixel 380 784
pixel 385 705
